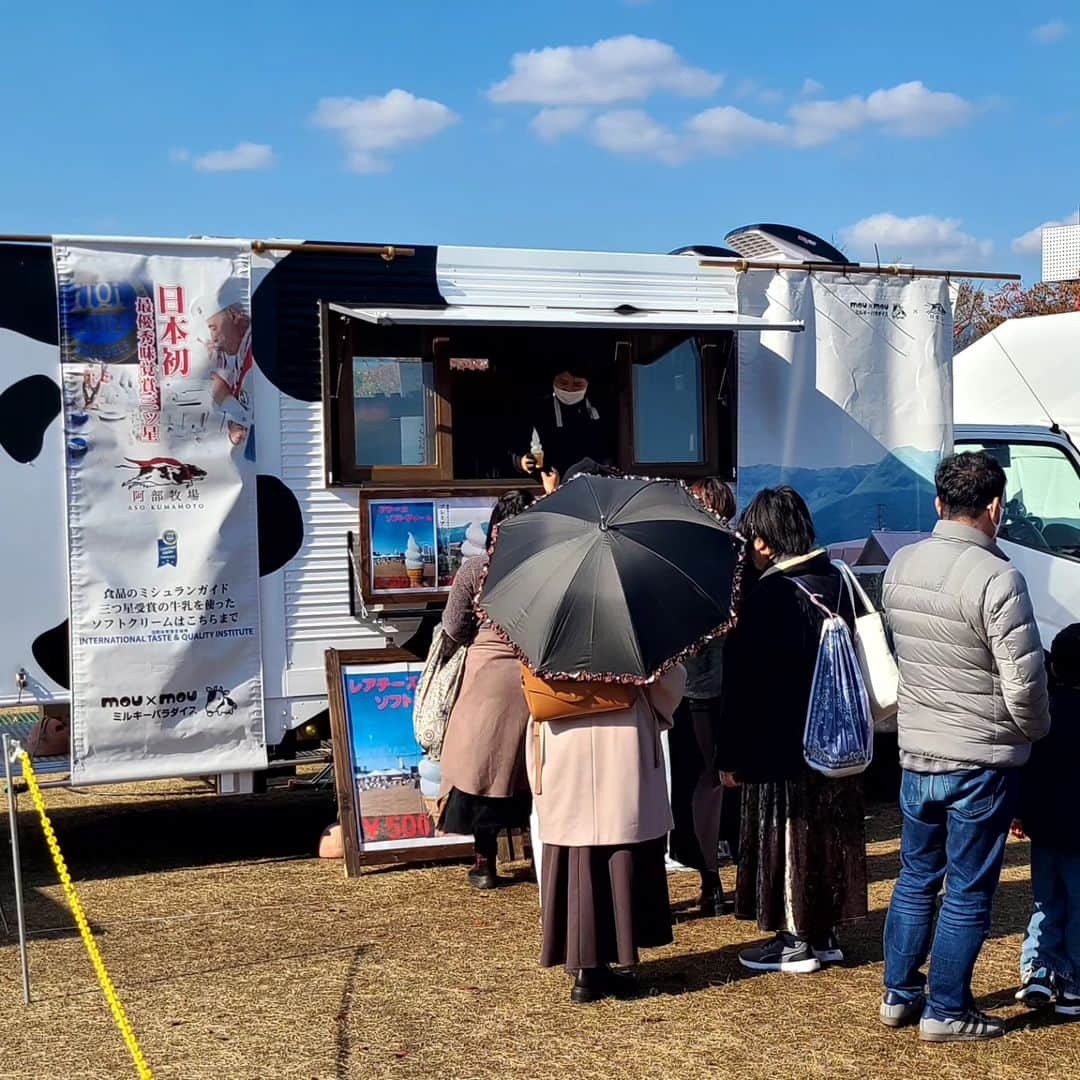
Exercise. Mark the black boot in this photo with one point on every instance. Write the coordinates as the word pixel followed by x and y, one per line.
pixel 483 874
pixel 620 982
pixel 588 986
pixel 712 894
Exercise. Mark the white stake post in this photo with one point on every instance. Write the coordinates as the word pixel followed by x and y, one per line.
pixel 10 747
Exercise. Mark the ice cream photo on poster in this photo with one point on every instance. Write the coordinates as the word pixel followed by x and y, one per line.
pixel 402 544
pixel 475 542
pixel 461 533
pixel 414 563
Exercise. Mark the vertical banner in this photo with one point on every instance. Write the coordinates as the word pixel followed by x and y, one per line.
pixel 856 411
pixel 155 348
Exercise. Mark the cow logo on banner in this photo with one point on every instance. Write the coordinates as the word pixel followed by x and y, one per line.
pixel 156 356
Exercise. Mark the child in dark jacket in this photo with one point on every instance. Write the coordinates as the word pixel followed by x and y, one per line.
pixel 1050 962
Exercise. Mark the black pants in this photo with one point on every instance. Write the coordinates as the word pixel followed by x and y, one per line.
pixel 698 802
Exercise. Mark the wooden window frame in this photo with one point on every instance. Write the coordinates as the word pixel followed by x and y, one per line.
pixel 718 362
pixel 339 422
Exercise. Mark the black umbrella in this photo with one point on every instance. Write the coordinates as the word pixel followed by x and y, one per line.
pixel 610 577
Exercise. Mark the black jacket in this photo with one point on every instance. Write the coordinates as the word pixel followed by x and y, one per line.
pixel 580 436
pixel 769 661
pixel 1050 780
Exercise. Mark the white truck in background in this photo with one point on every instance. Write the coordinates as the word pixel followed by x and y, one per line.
pixel 1017 395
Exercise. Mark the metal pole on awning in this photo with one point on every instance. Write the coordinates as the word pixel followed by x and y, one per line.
pixel 386 252
pixel 855 268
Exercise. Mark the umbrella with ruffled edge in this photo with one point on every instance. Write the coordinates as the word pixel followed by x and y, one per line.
pixel 611 578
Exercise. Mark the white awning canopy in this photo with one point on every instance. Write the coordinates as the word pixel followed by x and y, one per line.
pixel 628 319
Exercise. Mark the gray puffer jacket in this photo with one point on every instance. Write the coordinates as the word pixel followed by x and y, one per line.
pixel 972 672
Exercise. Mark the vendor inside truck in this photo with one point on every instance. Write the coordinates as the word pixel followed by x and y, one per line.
pixel 415 407
pixel 564 426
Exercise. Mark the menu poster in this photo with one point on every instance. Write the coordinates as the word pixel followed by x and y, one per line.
pixel 419 544
pixel 387 787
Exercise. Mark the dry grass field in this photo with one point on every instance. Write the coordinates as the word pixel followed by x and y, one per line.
pixel 239 955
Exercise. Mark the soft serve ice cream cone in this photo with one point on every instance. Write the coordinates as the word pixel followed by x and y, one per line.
pixel 414 562
pixel 475 542
pixel 536 450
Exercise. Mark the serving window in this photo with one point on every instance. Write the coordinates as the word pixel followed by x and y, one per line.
pixel 455 406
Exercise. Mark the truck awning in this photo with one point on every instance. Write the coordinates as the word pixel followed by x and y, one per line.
pixel 627 318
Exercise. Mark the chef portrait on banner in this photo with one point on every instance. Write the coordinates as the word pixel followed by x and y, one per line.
pixel 228 339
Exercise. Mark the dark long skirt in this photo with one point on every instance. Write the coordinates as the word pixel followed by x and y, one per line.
pixel 802 867
pixel 602 904
pixel 697 798
pixel 469 814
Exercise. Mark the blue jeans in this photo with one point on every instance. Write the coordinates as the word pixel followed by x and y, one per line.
pixel 1053 935
pixel 955 827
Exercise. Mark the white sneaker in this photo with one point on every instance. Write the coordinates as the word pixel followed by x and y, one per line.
pixel 1067 1004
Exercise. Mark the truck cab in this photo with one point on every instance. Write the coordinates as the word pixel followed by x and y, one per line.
pixel 1041 529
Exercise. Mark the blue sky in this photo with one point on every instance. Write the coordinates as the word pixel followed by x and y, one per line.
pixel 943 132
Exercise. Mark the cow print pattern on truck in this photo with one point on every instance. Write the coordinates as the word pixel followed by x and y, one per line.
pixel 27 408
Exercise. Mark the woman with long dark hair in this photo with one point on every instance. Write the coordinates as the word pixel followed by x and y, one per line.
pixel 484 784
pixel 802 866
pixel 698 806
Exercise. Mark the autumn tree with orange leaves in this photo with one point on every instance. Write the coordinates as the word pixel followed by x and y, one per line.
pixel 977 311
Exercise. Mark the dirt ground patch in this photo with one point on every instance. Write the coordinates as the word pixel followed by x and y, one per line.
pixel 237 954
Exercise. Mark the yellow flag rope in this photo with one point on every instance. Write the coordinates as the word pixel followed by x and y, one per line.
pixel 84 927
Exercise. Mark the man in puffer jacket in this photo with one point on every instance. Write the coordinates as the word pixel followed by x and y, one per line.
pixel 973 699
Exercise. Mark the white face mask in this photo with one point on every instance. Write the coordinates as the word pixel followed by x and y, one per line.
pixel 570 397
pixel 1000 521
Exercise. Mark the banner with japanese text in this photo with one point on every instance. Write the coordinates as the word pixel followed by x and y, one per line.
pixel 155 349
pixel 856 410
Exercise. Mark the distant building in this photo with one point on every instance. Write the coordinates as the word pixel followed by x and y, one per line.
pixel 869 557
pixel 1061 253
pixel 882 545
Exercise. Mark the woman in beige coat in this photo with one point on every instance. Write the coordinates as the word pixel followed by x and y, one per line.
pixel 601 795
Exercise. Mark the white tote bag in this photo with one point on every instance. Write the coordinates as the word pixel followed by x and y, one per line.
pixel 876 660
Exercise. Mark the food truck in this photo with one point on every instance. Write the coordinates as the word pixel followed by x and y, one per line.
pixel 223 457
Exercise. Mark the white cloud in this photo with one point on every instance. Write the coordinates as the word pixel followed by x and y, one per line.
pixel 726 130
pixel 552 124
pixel 923 238
pixel 179 154
pixel 811 87
pixel 1049 32
pixel 627 68
pixel 244 157
pixel 819 122
pixel 372 127
pixel 750 88
pixel 633 131
pixel 1031 242
pixel 910 110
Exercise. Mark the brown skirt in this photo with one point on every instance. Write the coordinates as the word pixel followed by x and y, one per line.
pixel 602 904
pixel 802 867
